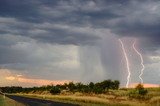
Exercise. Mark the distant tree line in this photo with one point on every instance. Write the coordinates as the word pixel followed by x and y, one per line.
pixel 12 89
pixel 97 88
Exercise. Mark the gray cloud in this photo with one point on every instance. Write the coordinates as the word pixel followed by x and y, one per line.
pixel 49 35
pixel 129 18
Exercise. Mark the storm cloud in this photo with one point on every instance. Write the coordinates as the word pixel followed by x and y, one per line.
pixel 78 40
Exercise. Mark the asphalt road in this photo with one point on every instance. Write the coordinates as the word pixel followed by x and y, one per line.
pixel 37 102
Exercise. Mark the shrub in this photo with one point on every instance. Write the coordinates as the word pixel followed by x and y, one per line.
pixel 91 85
pixel 79 86
pixel 141 90
pixel 139 93
pixel 55 90
pixel 98 90
pixel 86 89
pixel 71 86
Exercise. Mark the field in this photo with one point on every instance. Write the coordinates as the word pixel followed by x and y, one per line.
pixel 112 98
pixel 104 93
pixel 4 101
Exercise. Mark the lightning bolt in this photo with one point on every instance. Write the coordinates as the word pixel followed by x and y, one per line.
pixel 140 55
pixel 127 63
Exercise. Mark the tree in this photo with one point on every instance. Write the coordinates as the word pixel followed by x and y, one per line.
pixel 55 90
pixel 106 84
pixel 86 89
pixel 98 90
pixel 71 86
pixel 139 93
pixel 141 90
pixel 79 86
pixel 91 85
pixel 115 84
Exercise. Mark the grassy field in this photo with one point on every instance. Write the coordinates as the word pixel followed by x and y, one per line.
pixel 112 98
pixel 85 100
pixel 4 101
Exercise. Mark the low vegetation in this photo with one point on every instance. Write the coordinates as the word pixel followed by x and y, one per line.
pixel 4 101
pixel 139 93
pixel 102 93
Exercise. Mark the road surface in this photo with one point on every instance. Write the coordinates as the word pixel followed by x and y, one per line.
pixel 37 102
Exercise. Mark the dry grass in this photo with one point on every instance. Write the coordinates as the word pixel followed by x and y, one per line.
pixel 8 102
pixel 155 101
pixel 112 98
pixel 95 100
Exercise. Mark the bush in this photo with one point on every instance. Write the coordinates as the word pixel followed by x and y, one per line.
pixel 71 86
pixel 141 90
pixel 55 90
pixel 91 85
pixel 86 89
pixel 139 93
pixel 98 90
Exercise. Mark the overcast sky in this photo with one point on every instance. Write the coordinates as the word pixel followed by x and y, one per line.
pixel 56 41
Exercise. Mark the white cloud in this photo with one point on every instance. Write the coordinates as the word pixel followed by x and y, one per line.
pixel 155 58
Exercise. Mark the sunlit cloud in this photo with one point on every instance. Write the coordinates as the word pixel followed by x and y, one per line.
pixel 19 75
pixel 155 58
pixel 40 82
pixel 17 79
pixel 10 78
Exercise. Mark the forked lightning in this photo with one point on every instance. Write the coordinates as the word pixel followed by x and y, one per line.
pixel 127 63
pixel 140 55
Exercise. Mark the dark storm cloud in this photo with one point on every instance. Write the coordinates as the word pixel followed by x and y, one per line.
pixel 21 9
pixel 24 16
pixel 32 30
pixel 125 18
pixel 141 19
pixel 66 21
pixel 66 12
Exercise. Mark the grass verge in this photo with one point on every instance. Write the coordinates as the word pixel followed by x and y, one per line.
pixel 4 101
pixel 85 100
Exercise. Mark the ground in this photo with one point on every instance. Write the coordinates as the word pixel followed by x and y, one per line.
pixel 4 101
pixel 112 98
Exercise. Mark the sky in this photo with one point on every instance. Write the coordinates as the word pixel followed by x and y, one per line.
pixel 56 41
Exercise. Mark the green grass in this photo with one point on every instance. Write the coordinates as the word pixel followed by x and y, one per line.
pixel 4 101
